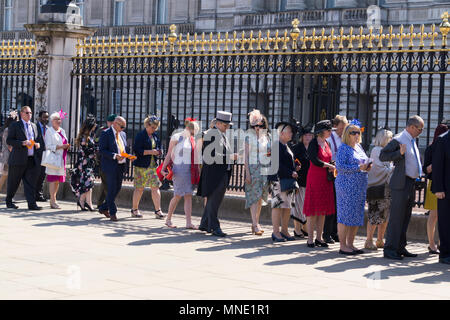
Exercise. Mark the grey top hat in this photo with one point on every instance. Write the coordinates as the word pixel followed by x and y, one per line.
pixel 224 116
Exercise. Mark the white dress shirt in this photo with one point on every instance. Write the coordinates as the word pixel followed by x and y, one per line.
pixel 115 140
pixel 413 165
pixel 335 142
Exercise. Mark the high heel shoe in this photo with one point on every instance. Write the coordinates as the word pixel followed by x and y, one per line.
pixel 286 237
pixel 81 207
pixel 300 236
pixel 431 251
pixel 257 233
pixel 275 239
pixel 88 207
pixel 320 244
pixel 54 206
pixel 159 214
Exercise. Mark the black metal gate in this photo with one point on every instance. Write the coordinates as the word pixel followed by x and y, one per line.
pixel 370 75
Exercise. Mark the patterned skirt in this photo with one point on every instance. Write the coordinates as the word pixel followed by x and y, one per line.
pixel 297 209
pixel 378 212
pixel 279 199
pixel 258 189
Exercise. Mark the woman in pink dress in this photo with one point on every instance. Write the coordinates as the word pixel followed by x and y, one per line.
pixel 56 141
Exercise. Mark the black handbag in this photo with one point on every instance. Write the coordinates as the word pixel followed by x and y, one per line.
pixel 288 184
pixel 375 193
pixel 330 174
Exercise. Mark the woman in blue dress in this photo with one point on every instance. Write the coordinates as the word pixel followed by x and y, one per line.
pixel 352 165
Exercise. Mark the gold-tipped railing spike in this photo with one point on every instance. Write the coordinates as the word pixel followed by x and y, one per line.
pixel 258 47
pixel 350 38
pixel 433 35
pixel 422 36
pixel 210 42
pixel 164 43
pixel 194 42
pixel 180 43
pixel 227 41
pixel 250 42
pixel 295 33
pixel 444 27
pixel 361 38
pixel 341 38
pixel 268 41
pixel 143 45
pixel 276 40
pixel 285 40
pixel 412 36
pixel 400 37
pixel 322 40
pixel 313 39
pixel 331 39
pixel 234 42
pixel 219 42
pixel 243 41
pixel 304 39
pixel 202 49
pixel 188 42
pixel 381 36
pixel 370 37
pixel 390 36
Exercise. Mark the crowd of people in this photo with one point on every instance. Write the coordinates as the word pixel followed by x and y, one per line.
pixel 322 180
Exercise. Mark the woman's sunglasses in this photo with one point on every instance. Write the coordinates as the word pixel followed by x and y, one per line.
pixel 259 126
pixel 354 133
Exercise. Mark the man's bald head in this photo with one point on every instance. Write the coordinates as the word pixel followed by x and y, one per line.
pixel 119 124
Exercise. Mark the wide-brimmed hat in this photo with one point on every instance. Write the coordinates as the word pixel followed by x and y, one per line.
pixel 322 126
pixel 225 117
pixel 285 124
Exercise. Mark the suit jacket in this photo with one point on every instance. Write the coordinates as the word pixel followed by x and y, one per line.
pixel 19 153
pixel 213 173
pixel 42 148
pixel 108 148
pixel 391 152
pixel 441 165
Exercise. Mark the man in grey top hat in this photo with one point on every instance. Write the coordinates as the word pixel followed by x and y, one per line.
pixel 216 171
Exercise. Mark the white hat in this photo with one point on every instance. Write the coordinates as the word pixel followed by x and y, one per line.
pixel 224 116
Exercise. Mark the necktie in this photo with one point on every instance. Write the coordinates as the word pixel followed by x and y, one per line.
pixel 417 157
pixel 119 143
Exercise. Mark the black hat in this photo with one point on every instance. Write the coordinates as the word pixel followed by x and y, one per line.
pixel 322 126
pixel 285 124
pixel 306 129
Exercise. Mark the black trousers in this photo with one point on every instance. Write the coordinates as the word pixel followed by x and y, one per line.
pixel 210 221
pixel 330 224
pixel 400 215
pixel 444 227
pixel 28 174
pixel 114 182
pixel 40 183
pixel 103 189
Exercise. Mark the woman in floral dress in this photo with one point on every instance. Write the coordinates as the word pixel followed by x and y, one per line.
pixel 82 177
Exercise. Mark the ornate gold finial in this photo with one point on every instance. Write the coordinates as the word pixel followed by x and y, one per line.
pixel 202 49
pixel 259 48
pixel 268 41
pixel 313 39
pixel 172 38
pixel 380 38
pixel 227 41
pixel 390 36
pixel 361 37
pixel 444 27
pixel 210 42
pixel 194 49
pixel 180 43
pixel 235 41
pixel 276 39
pixel 164 44
pixel 243 41
pixel 285 40
pixel 295 32
pixel 370 37
pixel 188 42
pixel 250 42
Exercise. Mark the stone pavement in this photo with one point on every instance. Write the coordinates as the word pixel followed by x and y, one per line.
pixel 66 254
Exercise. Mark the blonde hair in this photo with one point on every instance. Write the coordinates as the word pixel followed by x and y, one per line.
pixel 346 134
pixel 382 137
pixel 149 122
pixel 192 125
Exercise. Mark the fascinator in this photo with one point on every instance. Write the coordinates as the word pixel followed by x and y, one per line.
pixel 62 114
pixel 255 117
pixel 12 114
pixel 356 122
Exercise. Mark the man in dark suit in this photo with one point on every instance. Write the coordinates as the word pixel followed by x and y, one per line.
pixel 112 144
pixel 103 186
pixel 441 188
pixel 23 161
pixel 42 127
pixel 403 151
pixel 216 172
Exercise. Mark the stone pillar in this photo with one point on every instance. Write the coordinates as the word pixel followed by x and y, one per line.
pixel 56 36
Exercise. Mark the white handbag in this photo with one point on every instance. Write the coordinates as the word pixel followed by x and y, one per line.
pixel 52 160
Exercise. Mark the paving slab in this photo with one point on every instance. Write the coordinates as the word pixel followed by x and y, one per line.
pixel 68 254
